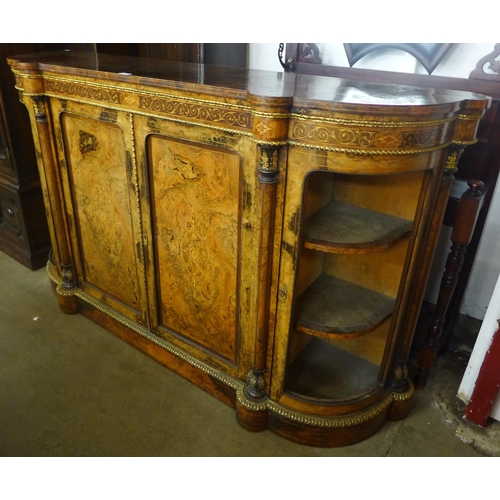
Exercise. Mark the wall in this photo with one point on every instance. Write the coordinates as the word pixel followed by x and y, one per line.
pixel 458 62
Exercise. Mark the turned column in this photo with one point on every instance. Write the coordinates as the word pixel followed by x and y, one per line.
pixel 463 230
pixel 268 174
pixel 67 301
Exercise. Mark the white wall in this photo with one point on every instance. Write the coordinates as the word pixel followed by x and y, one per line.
pixel 459 62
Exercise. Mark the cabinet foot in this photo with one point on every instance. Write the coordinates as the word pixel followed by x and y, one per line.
pixel 69 304
pixel 402 404
pixel 252 416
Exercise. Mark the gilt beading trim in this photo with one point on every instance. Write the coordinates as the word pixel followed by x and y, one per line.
pixel 141 237
pixel 374 152
pixel 368 123
pixel 143 332
pixel 324 422
pixel 404 396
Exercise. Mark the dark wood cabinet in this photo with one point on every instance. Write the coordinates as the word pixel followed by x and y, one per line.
pixel 24 232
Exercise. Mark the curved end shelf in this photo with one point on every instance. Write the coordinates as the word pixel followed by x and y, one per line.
pixel 332 307
pixel 342 228
pixel 323 373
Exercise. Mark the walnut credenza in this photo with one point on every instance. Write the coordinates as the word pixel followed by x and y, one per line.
pixel 266 236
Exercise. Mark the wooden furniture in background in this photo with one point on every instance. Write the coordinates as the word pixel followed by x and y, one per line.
pixel 480 161
pixel 203 213
pixel 24 233
pixel 463 229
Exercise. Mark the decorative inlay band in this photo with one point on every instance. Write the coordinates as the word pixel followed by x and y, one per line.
pixel 362 138
pixel 196 111
pixel 473 118
pixel 230 115
pixel 334 135
pixel 83 90
pixel 420 138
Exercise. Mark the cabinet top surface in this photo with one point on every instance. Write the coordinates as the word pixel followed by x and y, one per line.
pixel 237 82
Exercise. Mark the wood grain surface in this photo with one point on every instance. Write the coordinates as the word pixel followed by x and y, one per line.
pixel 196 198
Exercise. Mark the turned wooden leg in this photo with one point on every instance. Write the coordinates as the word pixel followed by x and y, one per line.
pixel 462 233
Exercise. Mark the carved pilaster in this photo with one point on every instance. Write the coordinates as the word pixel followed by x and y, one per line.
pixel 67 302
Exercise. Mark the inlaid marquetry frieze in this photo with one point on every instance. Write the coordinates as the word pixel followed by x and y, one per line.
pixel 366 140
pixel 196 111
pixel 83 91
pixel 223 116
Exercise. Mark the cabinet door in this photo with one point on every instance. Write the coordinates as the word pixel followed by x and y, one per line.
pixel 198 245
pixel 98 172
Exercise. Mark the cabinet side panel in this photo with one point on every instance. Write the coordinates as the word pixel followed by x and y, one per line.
pixel 97 165
pixel 195 191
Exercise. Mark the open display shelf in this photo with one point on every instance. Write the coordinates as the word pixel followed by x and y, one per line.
pixel 337 308
pixel 342 228
pixel 324 371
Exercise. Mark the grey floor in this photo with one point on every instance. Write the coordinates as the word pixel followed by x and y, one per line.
pixel 69 388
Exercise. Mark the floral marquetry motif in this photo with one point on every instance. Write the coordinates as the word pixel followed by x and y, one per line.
pixel 88 142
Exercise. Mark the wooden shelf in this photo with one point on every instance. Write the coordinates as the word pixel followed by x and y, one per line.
pixel 342 228
pixel 332 307
pixel 325 372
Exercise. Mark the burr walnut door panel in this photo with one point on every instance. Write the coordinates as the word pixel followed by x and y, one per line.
pixel 195 192
pixel 103 212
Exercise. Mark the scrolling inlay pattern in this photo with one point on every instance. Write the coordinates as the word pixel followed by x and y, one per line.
pixel 332 135
pixel 229 115
pixel 195 111
pixel 85 91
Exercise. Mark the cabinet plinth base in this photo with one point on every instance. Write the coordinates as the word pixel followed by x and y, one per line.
pixel 319 431
pixel 334 432
pixel 254 416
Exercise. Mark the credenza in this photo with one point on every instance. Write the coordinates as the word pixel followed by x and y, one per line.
pixel 266 236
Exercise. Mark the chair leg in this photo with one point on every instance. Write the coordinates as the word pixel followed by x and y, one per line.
pixel 463 229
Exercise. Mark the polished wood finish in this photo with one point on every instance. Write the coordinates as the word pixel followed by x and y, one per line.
pixel 479 161
pixel 182 199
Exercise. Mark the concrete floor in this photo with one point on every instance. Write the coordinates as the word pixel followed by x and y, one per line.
pixel 69 388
